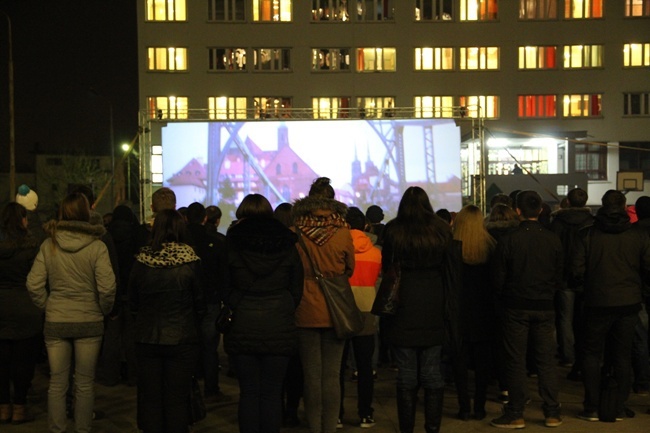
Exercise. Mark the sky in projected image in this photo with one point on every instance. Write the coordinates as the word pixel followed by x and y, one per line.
pixel 329 148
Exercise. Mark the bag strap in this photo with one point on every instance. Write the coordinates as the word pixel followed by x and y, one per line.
pixel 304 248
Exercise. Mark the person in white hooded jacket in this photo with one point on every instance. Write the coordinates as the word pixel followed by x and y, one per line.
pixel 73 281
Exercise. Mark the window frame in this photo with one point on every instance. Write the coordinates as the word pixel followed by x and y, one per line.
pixel 167 8
pixel 588 101
pixel 628 55
pixel 542 54
pixel 542 10
pixel 588 54
pixel 586 150
pixel 483 58
pixel 440 106
pixel 643 6
pixel 439 57
pixel 375 107
pixel 175 107
pixel 231 54
pixel 260 16
pixel 387 12
pixel 380 58
pixel 489 104
pixel 232 110
pixel 268 107
pixel 280 60
pixel 339 107
pixel 339 14
pixel 153 54
pixel 539 105
pixel 588 9
pixel 487 10
pixel 332 54
pixel 233 10
pixel 441 10
pixel 643 103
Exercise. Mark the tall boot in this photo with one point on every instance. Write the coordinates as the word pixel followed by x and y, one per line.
pixel 433 399
pixel 406 406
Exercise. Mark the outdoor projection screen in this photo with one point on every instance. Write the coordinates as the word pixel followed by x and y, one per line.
pixel 368 161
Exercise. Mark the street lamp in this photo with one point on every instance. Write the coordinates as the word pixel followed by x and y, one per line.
pixel 126 147
pixel 112 140
pixel 12 131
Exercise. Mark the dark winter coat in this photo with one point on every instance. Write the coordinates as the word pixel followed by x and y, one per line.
pixel 265 281
pixel 123 233
pixel 19 317
pixel 566 223
pixel 528 267
pixel 211 248
pixel 420 316
pixel 477 315
pixel 611 258
pixel 166 295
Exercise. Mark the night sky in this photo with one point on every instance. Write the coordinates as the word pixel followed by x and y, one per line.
pixel 62 50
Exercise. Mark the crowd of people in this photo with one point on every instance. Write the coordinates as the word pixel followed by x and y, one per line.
pixel 498 298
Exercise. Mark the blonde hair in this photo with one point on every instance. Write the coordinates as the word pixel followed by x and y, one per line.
pixel 469 228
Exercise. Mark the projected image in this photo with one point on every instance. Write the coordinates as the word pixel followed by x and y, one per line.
pixel 368 161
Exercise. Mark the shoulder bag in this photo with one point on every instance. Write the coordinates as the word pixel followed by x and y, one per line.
pixel 387 299
pixel 345 315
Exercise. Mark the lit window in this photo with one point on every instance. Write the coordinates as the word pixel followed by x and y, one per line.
pixel 376 107
pixel 376 59
pixel 330 108
pixel 429 59
pixel 330 10
pixel 582 9
pixel 330 59
pixel 590 159
pixel 434 106
pixel 226 10
pixel 227 107
pixel 375 10
pixel 480 106
pixel 636 104
pixel 637 8
pixel 168 107
pixel 227 59
pixel 166 10
pixel 271 10
pixel 479 57
pixel 537 106
pixel 583 56
pixel 167 59
pixel 271 59
pixel 433 10
pixel 537 9
pixel 478 10
pixel 581 105
pixel 537 57
pixel 635 55
pixel 267 107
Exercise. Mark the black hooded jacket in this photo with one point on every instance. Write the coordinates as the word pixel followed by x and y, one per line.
pixel 264 283
pixel 566 224
pixel 610 259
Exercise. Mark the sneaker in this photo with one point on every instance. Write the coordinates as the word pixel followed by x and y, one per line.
pixel 508 421
pixel 503 397
pixel 367 422
pixel 553 421
pixel 588 416
pixel 339 423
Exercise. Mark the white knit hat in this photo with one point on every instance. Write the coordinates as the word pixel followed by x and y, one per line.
pixel 27 197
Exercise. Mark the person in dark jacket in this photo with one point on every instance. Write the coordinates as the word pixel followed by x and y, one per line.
pixel 167 297
pixel 527 271
pixel 418 239
pixel 21 323
pixel 566 223
pixel 610 259
pixel 264 287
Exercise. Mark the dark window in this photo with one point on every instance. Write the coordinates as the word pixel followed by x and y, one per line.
pixel 635 156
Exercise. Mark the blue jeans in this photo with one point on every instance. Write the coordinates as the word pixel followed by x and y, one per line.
pixel 209 350
pixel 321 352
pixel 59 352
pixel 260 387
pixel 419 366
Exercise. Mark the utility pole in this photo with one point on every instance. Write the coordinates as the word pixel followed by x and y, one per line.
pixel 12 114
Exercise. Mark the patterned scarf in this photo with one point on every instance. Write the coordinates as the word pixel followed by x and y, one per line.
pixel 172 254
pixel 319 229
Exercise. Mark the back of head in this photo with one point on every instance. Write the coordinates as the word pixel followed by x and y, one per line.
pixel 282 213
pixel 414 205
pixel 124 213
pixel 196 213
pixel 163 198
pixel 513 197
pixel 356 218
pixel 500 198
pixel 254 205
pixel 75 207
pixel 445 215
pixel 577 197
pixel 168 226
pixel 502 212
pixel 213 214
pixel 85 190
pixel 321 187
pixel 375 214
pixel 642 206
pixel 613 200
pixel 469 227
pixel 13 217
pixel 529 203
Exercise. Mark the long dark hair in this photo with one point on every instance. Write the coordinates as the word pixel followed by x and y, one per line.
pixel 168 226
pixel 13 216
pixel 75 207
pixel 417 231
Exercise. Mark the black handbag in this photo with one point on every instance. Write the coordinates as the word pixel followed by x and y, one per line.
pixel 197 404
pixel 387 299
pixel 346 316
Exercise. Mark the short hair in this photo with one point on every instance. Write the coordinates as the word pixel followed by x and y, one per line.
pixel 196 213
pixel 321 187
pixel 356 218
pixel 500 198
pixel 163 198
pixel 75 207
pixel 282 213
pixel 502 212
pixel 445 215
pixel 642 207
pixel 375 214
pixel 213 213
pixel 577 197
pixel 513 198
pixel 614 200
pixel 254 205
pixel 529 202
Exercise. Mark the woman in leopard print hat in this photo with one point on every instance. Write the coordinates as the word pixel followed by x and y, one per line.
pixel 166 295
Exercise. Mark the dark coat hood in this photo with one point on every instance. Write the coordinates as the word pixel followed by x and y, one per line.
pixel 612 221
